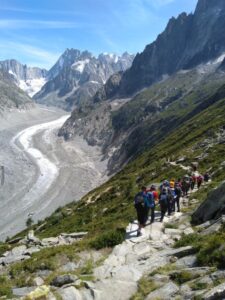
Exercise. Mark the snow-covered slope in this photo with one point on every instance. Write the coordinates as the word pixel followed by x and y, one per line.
pixel 29 79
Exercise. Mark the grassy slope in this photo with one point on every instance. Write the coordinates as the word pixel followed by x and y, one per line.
pixel 157 111
pixel 106 211
pixel 110 206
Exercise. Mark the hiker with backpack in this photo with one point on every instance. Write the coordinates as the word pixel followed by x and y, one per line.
pixel 192 181
pixel 152 196
pixel 141 206
pixel 206 177
pixel 199 181
pixel 178 193
pixel 163 202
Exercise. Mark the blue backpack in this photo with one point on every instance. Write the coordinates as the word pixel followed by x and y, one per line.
pixel 150 200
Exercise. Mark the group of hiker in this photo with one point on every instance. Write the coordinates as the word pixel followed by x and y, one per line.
pixel 167 195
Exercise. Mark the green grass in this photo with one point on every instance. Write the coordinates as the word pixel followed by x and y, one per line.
pixel 182 277
pixel 5 287
pixel 145 286
pixel 210 249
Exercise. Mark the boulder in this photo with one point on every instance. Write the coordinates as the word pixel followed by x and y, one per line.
pixel 172 232
pixel 215 227
pixel 75 235
pixel 188 230
pixel 216 293
pixel 42 292
pixel 63 280
pixel 212 208
pixel 52 241
pixel 187 261
pixel 167 292
pixel 38 281
pixel 20 292
pixel 13 258
pixel 69 267
pixel 218 275
pixel 31 250
pixel 70 293
pixel 179 252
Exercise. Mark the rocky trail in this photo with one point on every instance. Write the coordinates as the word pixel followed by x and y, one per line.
pixel 151 256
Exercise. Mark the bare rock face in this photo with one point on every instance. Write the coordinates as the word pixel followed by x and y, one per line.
pixel 29 79
pixel 77 76
pixel 11 96
pixel 212 208
pixel 187 41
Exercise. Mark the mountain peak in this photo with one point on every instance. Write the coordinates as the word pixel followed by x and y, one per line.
pixel 204 5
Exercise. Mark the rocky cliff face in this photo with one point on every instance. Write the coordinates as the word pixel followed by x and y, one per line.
pixel 213 207
pixel 29 79
pixel 187 41
pixel 77 76
pixel 10 95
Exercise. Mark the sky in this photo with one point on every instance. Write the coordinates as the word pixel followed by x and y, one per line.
pixel 37 32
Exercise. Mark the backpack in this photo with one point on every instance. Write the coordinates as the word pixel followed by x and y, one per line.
pixel 178 191
pixel 163 198
pixel 139 200
pixel 150 200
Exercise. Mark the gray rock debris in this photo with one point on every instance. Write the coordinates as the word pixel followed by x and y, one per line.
pixel 63 280
pixel 167 292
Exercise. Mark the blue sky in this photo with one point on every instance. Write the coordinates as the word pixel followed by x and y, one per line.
pixel 37 32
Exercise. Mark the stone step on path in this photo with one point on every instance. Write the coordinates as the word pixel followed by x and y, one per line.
pixel 130 260
pixel 118 277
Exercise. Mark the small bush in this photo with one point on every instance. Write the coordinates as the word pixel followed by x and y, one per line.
pixel 181 277
pixel 109 239
pixel 145 286
pixel 198 286
pixel 5 287
pixel 187 240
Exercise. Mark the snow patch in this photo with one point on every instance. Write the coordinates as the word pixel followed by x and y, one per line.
pixel 217 60
pixel 96 82
pixel 32 86
pixel 80 65
pixel 12 73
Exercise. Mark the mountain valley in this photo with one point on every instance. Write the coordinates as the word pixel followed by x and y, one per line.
pixel 98 131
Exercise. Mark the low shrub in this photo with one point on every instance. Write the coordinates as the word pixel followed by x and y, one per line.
pixel 109 239
pixel 5 288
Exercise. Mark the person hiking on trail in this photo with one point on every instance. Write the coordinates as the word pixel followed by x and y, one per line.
pixel 166 186
pixel 199 181
pixel 193 181
pixel 151 204
pixel 141 206
pixel 178 193
pixel 172 183
pixel 185 185
pixel 163 202
pixel 165 183
pixel 206 177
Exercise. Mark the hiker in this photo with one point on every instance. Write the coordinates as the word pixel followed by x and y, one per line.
pixel 199 181
pixel 185 185
pixel 152 198
pixel 165 184
pixel 163 202
pixel 206 177
pixel 172 183
pixel 193 181
pixel 141 204
pixel 178 193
